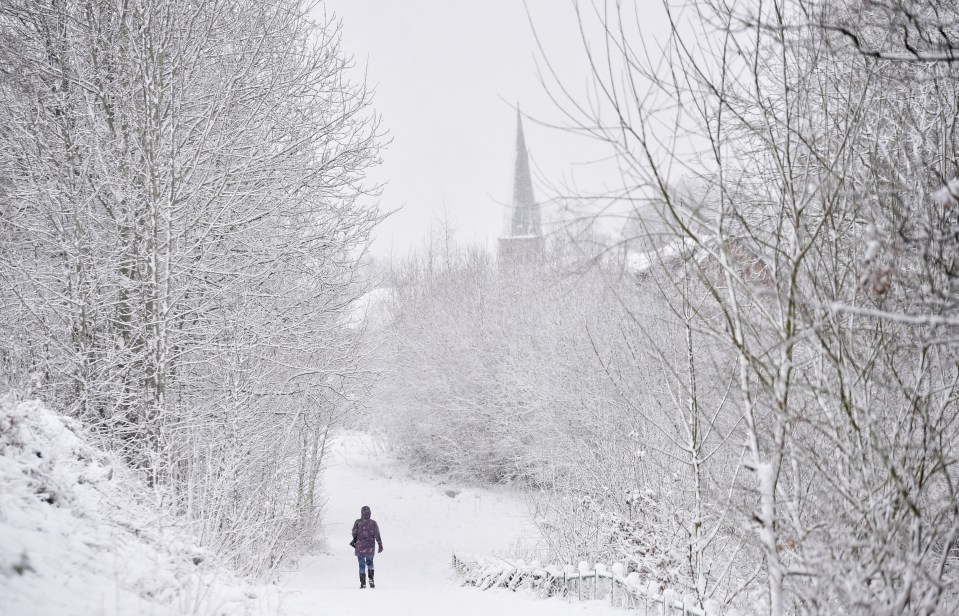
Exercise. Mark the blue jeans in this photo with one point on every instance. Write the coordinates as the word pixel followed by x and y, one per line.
pixel 365 561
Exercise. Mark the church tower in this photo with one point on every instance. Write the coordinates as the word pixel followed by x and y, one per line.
pixel 521 246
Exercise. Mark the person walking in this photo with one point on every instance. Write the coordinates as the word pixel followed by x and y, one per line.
pixel 366 534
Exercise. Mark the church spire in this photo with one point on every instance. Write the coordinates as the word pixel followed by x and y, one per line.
pixel 521 249
pixel 525 220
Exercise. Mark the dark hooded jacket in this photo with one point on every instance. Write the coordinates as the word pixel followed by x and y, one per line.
pixel 366 534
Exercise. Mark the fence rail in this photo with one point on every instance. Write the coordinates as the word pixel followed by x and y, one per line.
pixel 585 582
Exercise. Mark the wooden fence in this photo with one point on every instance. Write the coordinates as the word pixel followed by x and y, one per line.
pixel 585 582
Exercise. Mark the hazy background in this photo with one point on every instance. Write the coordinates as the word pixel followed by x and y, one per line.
pixel 447 77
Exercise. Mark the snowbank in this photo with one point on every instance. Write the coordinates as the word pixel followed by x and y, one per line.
pixel 79 535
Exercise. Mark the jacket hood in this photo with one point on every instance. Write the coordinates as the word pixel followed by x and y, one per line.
pixel 365 512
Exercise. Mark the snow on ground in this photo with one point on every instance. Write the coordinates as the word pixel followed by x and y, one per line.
pixel 80 535
pixel 421 524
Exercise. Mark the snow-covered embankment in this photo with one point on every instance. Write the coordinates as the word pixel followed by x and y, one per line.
pixel 81 534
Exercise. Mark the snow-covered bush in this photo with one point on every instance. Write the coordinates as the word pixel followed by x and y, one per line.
pixel 547 380
pixel 484 370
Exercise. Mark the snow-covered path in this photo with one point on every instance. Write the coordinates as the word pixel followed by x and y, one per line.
pixel 421 525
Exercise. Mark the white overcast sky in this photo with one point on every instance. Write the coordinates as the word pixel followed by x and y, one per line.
pixel 447 74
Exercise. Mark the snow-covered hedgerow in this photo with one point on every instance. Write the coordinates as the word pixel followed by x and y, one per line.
pixel 598 581
pixel 81 534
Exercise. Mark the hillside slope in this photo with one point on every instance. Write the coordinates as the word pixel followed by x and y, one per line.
pixel 80 534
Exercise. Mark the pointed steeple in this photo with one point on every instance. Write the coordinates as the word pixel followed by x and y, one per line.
pixel 525 220
pixel 521 249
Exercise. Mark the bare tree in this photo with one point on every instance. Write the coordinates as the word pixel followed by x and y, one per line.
pixel 823 268
pixel 181 185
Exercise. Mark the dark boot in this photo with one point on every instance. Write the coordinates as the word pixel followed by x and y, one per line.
pixel 363 581
pixel 372 585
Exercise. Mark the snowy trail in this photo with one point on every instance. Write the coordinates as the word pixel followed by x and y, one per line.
pixel 421 525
